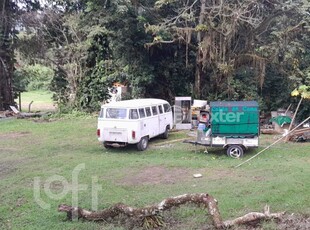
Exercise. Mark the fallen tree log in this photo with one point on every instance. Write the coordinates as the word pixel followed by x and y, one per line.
pixel 151 213
pixel 200 199
pixel 253 216
pixel 269 131
pixel 33 115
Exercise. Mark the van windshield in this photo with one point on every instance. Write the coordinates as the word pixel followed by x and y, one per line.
pixel 116 113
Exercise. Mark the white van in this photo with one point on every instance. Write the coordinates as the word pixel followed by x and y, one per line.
pixel 134 122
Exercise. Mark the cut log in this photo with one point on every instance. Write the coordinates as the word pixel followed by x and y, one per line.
pixel 269 131
pixel 300 131
pixel 253 216
pixel 151 213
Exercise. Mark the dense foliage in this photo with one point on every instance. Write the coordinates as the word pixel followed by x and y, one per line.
pixel 213 50
pixel 33 77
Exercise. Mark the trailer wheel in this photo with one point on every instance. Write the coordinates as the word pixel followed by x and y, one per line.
pixel 235 151
pixel 143 143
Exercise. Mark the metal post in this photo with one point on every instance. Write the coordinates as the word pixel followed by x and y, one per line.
pixel 20 101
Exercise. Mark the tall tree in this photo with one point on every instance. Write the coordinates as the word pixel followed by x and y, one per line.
pixel 286 47
pixel 7 37
pixel 225 36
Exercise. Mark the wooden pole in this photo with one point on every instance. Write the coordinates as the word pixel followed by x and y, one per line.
pixel 287 109
pixel 20 101
pixel 293 119
pixel 29 106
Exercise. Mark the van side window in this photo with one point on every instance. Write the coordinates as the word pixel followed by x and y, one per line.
pixel 154 110
pixel 133 114
pixel 167 108
pixel 160 108
pixel 148 111
pixel 116 113
pixel 142 112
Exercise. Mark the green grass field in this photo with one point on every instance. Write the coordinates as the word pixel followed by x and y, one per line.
pixel 38 158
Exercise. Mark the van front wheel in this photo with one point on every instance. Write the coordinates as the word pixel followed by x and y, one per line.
pixel 143 143
pixel 165 134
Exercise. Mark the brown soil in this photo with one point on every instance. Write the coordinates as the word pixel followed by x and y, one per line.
pixel 153 175
pixel 13 135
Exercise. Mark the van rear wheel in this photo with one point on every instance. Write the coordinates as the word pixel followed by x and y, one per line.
pixel 143 143
pixel 107 146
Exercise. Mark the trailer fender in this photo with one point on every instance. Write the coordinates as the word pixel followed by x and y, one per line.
pixel 242 146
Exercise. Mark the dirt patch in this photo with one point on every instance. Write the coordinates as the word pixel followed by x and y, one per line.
pixel 13 135
pixel 21 201
pixel 7 167
pixel 56 186
pixel 153 175
pixel 164 175
pixel 217 174
pixel 294 222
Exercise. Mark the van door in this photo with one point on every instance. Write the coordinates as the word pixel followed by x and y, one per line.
pixel 144 128
pixel 155 121
pixel 162 119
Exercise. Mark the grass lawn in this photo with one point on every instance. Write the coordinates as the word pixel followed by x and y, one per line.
pixel 41 101
pixel 38 158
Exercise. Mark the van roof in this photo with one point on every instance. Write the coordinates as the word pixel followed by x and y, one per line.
pixel 135 103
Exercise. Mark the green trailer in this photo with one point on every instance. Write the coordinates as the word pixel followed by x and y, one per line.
pixel 233 125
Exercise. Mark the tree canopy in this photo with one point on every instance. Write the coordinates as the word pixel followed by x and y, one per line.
pixel 212 50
